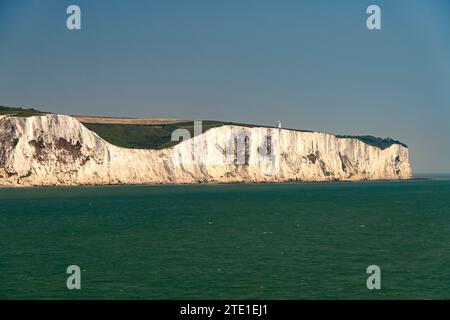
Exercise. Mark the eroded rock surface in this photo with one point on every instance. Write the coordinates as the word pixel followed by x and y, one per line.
pixel 59 150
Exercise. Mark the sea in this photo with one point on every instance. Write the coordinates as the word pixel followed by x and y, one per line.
pixel 238 241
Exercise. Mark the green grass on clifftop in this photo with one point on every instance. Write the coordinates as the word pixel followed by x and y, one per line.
pixel 158 136
pixel 155 136
pixel 20 112
pixel 377 142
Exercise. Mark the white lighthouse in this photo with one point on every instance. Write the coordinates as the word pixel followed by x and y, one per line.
pixel 279 124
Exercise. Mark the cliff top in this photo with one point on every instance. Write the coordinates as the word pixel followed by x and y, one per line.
pixel 20 112
pixel 153 133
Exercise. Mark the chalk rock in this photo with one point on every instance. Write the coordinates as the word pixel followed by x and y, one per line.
pixel 59 150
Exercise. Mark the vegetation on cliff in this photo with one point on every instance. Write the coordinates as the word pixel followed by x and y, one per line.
pixel 19 112
pixel 158 136
pixel 145 136
pixel 381 143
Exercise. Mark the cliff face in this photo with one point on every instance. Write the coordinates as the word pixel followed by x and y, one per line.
pixel 59 150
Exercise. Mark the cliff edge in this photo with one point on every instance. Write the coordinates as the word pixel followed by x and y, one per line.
pixel 59 150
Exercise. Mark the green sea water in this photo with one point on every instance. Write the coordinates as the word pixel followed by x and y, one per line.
pixel 253 241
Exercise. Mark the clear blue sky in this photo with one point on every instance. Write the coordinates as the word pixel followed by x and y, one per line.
pixel 311 64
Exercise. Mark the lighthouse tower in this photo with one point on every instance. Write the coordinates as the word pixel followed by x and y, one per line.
pixel 279 124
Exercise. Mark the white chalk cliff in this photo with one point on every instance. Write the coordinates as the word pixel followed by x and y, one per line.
pixel 59 150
